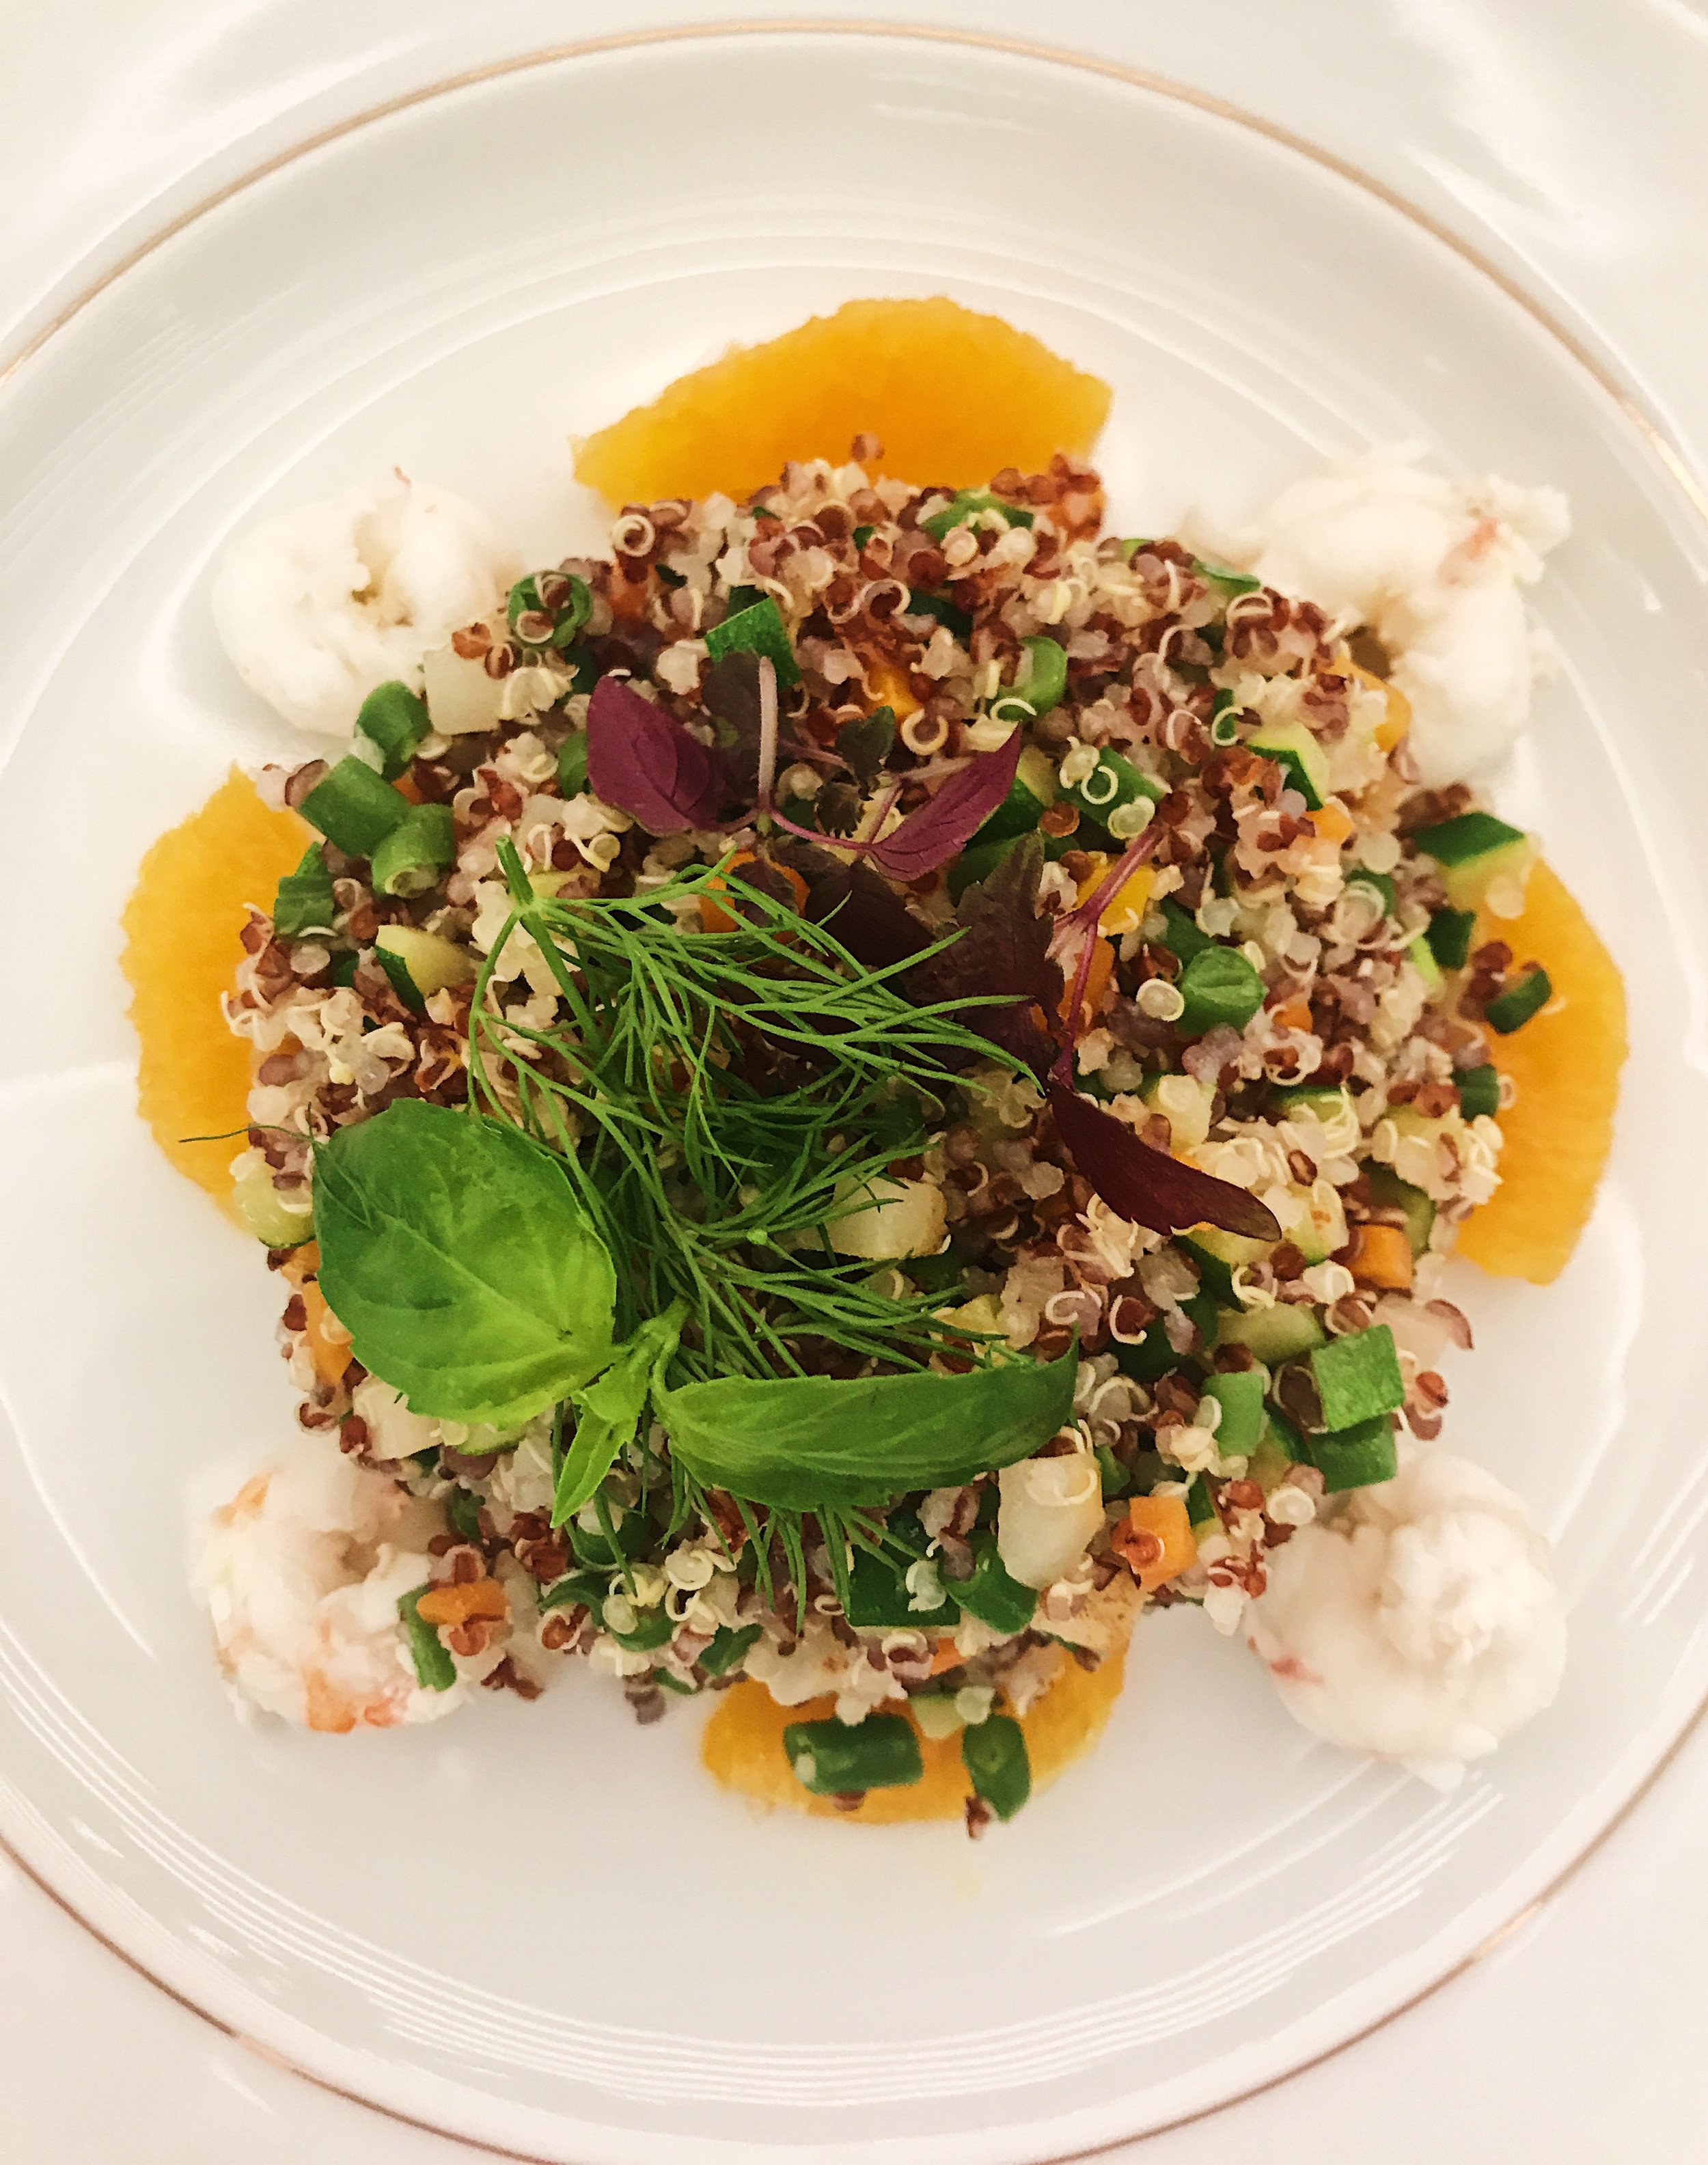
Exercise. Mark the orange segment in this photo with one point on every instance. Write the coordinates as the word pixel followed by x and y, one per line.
pixel 742 1747
pixel 1565 1062
pixel 953 396
pixel 181 951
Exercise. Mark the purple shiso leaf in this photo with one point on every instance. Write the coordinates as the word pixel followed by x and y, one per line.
pixel 942 829
pixel 647 765
pixel 1146 1186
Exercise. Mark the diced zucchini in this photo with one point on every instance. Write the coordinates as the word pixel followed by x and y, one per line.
pixel 1321 1104
pixel 1274 1334
pixel 1218 1255
pixel 1030 796
pixel 1240 1394
pixel 1291 746
pixel 1475 851
pixel 1389 1189
pixel 267 1213
pixel 1315 1229
pixel 1357 1377
pixel 1113 781
pixel 1152 1354
pixel 1421 957
pixel 1355 1457
pixel 431 962
pixel 977 863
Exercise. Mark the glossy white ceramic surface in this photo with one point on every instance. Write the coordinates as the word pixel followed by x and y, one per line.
pixel 347 369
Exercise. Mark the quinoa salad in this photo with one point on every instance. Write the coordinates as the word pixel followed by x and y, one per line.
pixel 865 1089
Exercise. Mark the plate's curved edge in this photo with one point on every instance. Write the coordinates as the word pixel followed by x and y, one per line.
pixel 1607 378
pixel 1676 467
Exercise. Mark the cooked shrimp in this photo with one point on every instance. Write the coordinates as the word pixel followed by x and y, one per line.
pixel 317 606
pixel 302 1573
pixel 1420 1625
pixel 1434 568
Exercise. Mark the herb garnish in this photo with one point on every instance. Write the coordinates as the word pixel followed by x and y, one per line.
pixel 454 1251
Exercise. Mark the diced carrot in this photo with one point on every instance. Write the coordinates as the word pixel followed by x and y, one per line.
pixel 1155 1541
pixel 1382 1257
pixel 888 687
pixel 405 788
pixel 946 1655
pixel 715 918
pixel 1333 822
pixel 1294 1014
pixel 328 1347
pixel 457 1604
pixel 1096 984
pixel 1125 910
pixel 1397 721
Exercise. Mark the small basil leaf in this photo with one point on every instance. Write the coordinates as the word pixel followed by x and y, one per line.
pixel 607 1411
pixel 800 1443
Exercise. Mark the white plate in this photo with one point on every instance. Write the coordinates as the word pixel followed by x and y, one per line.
pixel 543 1928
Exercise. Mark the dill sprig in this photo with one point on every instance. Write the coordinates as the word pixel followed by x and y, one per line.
pixel 716 1096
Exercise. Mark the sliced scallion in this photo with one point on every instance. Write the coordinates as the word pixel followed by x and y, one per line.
pixel 1509 1010
pixel 548 608
pixel 1449 936
pixel 393 720
pixel 971 503
pixel 353 808
pixel 1480 1091
pixel 418 849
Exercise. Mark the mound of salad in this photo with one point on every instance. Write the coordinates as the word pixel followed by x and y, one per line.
pixel 874 1084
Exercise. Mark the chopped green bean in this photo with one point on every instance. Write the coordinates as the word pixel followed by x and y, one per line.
pixel 834 1759
pixel 994 1754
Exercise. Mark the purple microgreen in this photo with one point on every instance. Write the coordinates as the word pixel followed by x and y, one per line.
pixel 1003 955
pixel 1149 1186
pixel 943 826
pixel 647 765
pixel 862 911
pixel 1087 918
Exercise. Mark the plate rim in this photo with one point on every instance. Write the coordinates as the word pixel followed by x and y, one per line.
pixel 1607 378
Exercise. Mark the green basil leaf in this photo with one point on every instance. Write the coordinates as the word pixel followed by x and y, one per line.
pixel 799 1442
pixel 453 1251
pixel 607 1410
